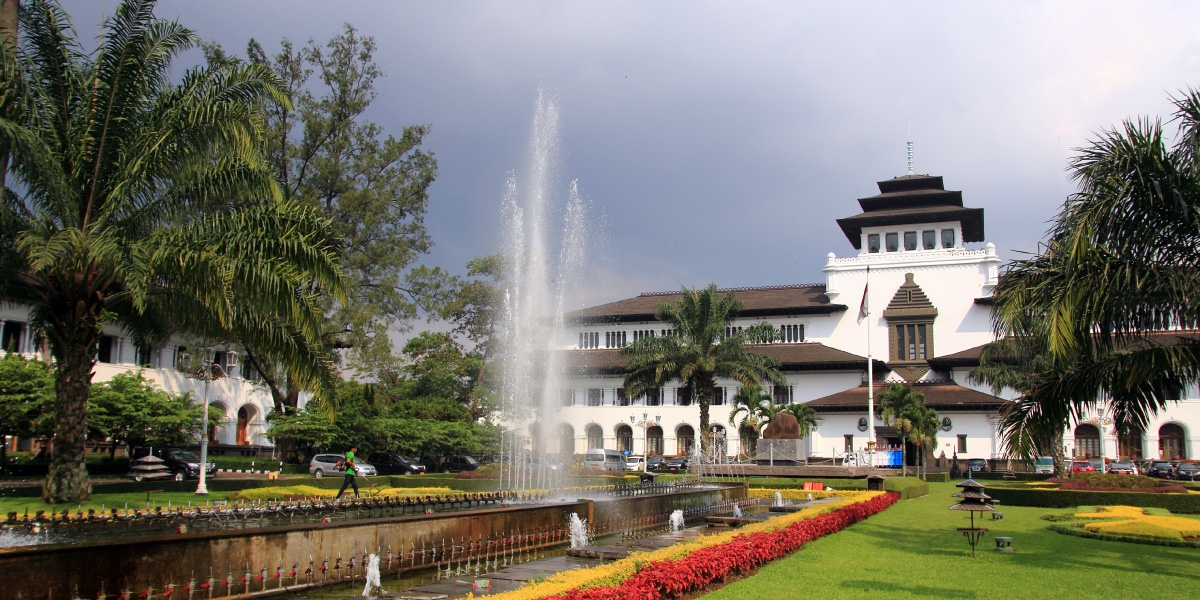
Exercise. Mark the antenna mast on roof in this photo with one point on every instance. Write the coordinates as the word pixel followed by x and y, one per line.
pixel 910 162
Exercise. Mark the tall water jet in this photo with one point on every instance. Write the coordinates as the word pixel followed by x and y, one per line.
pixel 538 282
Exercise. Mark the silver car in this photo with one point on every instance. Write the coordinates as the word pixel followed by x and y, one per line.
pixel 326 464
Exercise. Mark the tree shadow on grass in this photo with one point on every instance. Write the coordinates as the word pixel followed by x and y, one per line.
pixel 891 589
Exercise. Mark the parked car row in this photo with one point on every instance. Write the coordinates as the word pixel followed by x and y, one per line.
pixel 1178 470
pixel 387 464
pixel 1164 469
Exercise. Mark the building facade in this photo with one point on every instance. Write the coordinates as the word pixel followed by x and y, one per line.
pixel 240 400
pixel 927 274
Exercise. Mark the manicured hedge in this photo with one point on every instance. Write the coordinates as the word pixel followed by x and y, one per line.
pixel 992 475
pixel 907 487
pixel 1081 532
pixel 1176 503
pixel 936 477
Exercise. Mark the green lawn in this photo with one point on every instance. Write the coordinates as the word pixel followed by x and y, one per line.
pixel 913 551
pixel 98 501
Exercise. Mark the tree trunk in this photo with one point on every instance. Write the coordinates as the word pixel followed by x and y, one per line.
pixel 1060 459
pixel 67 479
pixel 903 457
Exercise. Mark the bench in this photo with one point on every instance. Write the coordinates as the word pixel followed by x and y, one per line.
pixel 1003 544
pixel 997 516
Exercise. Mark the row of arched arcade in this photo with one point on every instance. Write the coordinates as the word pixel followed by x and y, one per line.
pixel 677 441
pixel 1172 443
pixel 243 428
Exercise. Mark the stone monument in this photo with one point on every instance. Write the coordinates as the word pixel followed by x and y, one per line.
pixel 781 445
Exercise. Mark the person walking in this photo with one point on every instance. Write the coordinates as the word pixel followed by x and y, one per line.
pixel 349 479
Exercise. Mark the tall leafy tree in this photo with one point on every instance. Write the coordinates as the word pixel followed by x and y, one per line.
pixel 136 201
pixel 26 398
pixel 130 409
pixel 1120 268
pixel 374 187
pixel 698 351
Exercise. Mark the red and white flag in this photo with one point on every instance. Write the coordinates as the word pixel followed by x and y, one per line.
pixel 864 309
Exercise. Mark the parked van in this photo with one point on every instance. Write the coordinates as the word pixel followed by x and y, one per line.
pixel 1043 464
pixel 606 460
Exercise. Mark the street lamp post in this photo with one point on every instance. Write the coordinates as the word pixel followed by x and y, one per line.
pixel 205 372
pixel 645 424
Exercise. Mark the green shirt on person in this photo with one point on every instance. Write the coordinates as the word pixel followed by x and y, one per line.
pixel 350 463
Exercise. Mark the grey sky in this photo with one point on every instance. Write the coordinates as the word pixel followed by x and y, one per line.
pixel 719 141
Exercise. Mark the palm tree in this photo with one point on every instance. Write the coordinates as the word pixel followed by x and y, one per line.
pixel 924 434
pixel 698 351
pixel 138 202
pixel 751 409
pixel 806 417
pixel 902 408
pixel 1122 263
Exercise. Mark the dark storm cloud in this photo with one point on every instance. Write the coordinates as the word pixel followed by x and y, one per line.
pixel 719 141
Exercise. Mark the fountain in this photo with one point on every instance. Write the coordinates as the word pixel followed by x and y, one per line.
pixel 579 532
pixel 779 498
pixel 538 283
pixel 676 520
pixel 241 549
pixel 737 511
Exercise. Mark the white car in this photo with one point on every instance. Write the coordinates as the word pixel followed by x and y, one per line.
pixel 635 463
pixel 326 464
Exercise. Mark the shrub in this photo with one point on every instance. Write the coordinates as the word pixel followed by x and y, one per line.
pixel 936 477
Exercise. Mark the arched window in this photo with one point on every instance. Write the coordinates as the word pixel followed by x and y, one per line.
pixel 1129 446
pixel 245 416
pixel 1170 442
pixel 217 414
pixel 685 438
pixel 654 441
pixel 720 445
pixel 624 438
pixel 566 436
pixel 1087 441
pixel 595 437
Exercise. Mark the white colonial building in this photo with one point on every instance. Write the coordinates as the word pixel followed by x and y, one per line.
pixel 931 277
pixel 240 397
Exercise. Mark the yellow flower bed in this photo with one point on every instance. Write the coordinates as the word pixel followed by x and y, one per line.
pixel 308 491
pixel 1129 520
pixel 803 494
pixel 1040 484
pixel 618 571
pixel 1112 512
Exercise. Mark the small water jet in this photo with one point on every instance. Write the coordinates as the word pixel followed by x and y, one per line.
pixel 778 499
pixel 737 511
pixel 372 575
pixel 579 532
pixel 676 521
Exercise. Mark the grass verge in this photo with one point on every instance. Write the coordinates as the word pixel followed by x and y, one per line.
pixel 912 550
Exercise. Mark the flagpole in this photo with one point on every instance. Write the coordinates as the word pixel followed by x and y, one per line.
pixel 870 374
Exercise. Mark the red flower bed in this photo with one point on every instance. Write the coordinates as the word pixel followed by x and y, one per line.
pixel 671 579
